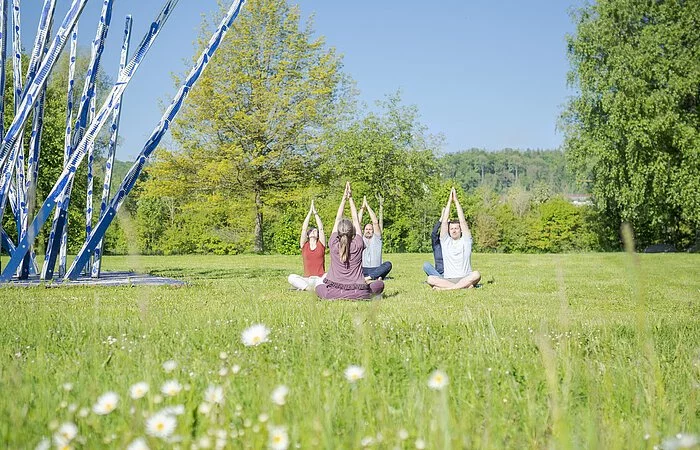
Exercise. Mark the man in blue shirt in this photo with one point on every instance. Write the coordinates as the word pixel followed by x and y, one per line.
pixel 438 269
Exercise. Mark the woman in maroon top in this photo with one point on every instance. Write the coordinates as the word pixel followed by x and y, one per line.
pixel 313 252
pixel 345 279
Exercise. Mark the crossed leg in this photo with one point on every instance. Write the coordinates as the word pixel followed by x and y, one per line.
pixel 464 283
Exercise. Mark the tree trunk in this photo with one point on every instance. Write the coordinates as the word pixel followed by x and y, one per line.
pixel 258 247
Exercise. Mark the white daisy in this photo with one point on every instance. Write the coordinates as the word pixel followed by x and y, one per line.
pixel 403 434
pixel 255 335
pixel 169 366
pixel 354 373
pixel 262 418
pixel 138 390
pixel 67 387
pixel 171 388
pixel 106 403
pixel 367 441
pixel 83 412
pixel 420 444
pixel 68 431
pixel 176 410
pixel 138 444
pixel 161 425
pixel 204 408
pixel 279 440
pixel 214 394
pixel 44 444
pixel 279 395
pixel 223 355
pixel 438 380
pixel 235 369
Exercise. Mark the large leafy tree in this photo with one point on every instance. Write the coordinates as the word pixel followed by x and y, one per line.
pixel 634 125
pixel 251 125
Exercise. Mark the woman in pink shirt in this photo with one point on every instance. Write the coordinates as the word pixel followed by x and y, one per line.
pixel 313 253
pixel 345 279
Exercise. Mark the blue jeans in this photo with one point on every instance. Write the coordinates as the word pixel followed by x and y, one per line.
pixel 430 270
pixel 377 272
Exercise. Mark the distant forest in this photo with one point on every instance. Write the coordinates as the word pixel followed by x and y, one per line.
pixel 532 170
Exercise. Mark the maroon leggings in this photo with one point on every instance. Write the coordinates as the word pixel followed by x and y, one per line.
pixel 327 292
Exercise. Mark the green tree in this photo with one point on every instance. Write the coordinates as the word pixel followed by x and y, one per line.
pixel 389 155
pixel 634 127
pixel 252 123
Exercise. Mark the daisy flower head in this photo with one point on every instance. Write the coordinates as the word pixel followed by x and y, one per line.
pixel 67 432
pixel 279 440
pixel 138 390
pixel 138 444
pixel 169 366
pixel 354 373
pixel 255 335
pixel 438 380
pixel 161 425
pixel 420 444
pixel 279 395
pixel 214 394
pixel 44 444
pixel 171 388
pixel 106 403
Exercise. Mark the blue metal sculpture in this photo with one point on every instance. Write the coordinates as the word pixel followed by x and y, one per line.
pixel 80 138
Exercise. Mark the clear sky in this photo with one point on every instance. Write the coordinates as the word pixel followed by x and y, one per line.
pixel 484 73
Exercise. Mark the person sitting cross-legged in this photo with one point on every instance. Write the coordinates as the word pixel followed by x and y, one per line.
pixel 313 253
pixel 372 266
pixel 456 243
pixel 344 279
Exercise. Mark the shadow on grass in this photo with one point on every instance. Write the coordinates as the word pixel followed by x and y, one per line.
pixel 190 273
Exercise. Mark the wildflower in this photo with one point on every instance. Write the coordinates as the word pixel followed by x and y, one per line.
pixel 420 444
pixel 262 418
pixel 67 387
pixel 106 403
pixel 161 425
pixel 223 371
pixel 68 431
pixel 681 440
pixel 279 395
pixel 44 444
pixel 367 441
pixel 235 369
pixel 403 434
pixel 255 335
pixel 169 366
pixel 171 388
pixel 354 373
pixel 279 440
pixel 83 412
pixel 223 355
pixel 204 442
pixel 176 410
pixel 138 390
pixel 438 380
pixel 138 444
pixel 214 394
pixel 204 408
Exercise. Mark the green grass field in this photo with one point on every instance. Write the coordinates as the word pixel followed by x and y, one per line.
pixel 555 351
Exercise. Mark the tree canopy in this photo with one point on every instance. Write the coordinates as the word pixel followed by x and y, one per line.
pixel 634 127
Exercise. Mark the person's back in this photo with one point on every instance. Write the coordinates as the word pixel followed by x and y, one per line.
pixel 349 272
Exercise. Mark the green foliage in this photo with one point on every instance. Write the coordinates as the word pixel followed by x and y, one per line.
pixel 508 168
pixel 253 122
pixel 634 127
pixel 558 226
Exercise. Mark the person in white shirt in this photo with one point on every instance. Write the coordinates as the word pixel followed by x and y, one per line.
pixel 456 243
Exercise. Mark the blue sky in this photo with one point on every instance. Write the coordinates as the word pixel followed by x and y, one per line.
pixel 488 74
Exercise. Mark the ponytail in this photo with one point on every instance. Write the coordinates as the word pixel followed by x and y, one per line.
pixel 346 232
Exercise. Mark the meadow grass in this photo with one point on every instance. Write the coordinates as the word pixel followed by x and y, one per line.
pixel 554 351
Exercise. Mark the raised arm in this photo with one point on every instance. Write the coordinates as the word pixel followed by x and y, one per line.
pixel 305 227
pixel 341 208
pixel 353 213
pixel 444 225
pixel 381 210
pixel 462 219
pixel 375 222
pixel 319 225
pixel 435 235
pixel 362 209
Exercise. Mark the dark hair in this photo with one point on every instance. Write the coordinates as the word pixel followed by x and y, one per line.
pixel 346 232
pixel 309 230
